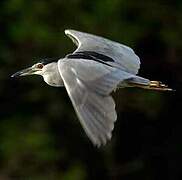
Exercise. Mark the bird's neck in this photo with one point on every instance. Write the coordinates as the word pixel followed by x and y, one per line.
pixel 51 75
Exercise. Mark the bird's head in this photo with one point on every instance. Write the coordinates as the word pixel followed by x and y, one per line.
pixel 38 68
pixel 46 68
pixel 35 69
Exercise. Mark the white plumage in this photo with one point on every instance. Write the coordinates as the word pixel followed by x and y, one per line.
pixel 89 82
pixel 96 68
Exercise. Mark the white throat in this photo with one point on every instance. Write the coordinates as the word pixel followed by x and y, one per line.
pixel 51 75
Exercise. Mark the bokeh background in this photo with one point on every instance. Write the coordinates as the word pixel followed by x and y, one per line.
pixel 40 135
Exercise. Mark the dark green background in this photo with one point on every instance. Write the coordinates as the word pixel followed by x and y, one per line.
pixel 40 136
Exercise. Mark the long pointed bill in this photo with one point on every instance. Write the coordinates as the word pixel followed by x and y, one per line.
pixel 25 72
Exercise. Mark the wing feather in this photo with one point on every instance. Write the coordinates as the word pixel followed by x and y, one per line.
pixel 124 57
pixel 95 107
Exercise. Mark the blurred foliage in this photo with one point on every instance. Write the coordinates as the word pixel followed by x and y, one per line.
pixel 40 136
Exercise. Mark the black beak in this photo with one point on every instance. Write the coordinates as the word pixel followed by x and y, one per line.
pixel 24 72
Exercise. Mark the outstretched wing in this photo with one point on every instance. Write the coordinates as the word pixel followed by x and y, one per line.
pixel 102 49
pixel 89 84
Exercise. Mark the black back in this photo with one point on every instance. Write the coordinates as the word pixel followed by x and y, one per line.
pixel 49 60
pixel 91 55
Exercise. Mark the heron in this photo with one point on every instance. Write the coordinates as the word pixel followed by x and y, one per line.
pixel 97 67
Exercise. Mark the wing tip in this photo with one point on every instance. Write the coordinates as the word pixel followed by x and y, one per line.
pixel 69 31
pixel 102 140
pixel 101 143
pixel 71 34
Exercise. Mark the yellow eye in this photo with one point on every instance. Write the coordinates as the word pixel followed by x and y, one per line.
pixel 40 66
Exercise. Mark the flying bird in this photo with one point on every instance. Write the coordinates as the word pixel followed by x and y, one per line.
pixel 96 68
